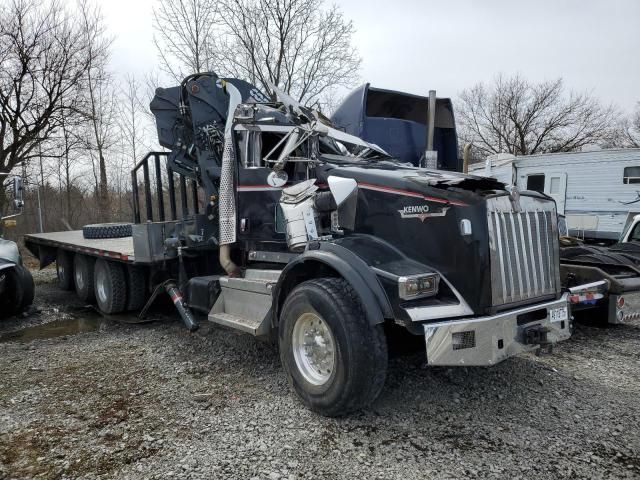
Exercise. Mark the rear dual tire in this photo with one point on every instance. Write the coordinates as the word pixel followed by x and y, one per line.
pixel 334 359
pixel 83 273
pixel 110 286
pixel 64 269
pixel 114 286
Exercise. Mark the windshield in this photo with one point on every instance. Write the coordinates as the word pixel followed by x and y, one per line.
pixel 332 140
pixel 358 153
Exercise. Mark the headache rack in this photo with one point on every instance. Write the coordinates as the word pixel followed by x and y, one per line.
pixel 157 196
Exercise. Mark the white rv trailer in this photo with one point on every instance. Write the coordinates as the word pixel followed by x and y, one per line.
pixel 597 191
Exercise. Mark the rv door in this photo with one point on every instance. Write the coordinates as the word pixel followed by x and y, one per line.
pixel 555 186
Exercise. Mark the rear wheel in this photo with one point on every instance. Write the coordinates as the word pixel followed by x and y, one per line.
pixel 335 360
pixel 110 286
pixel 136 287
pixel 83 266
pixel 64 268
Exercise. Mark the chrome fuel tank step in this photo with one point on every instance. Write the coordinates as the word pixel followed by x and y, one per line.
pixel 245 303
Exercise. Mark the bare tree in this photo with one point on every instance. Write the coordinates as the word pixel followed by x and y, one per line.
pixel 68 145
pixel 100 108
pixel 516 116
pixel 184 33
pixel 297 45
pixel 42 61
pixel 630 130
pixel 133 118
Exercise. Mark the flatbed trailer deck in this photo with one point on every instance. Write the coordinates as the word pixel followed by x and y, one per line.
pixel 113 248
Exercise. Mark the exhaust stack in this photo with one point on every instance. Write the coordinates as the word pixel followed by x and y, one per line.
pixel 430 155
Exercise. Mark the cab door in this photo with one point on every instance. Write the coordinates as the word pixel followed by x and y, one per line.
pixel 257 200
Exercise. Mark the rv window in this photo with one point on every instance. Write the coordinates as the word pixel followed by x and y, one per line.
pixel 631 175
pixel 535 183
pixel 554 185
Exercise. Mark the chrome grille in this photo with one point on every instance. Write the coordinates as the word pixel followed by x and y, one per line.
pixel 524 249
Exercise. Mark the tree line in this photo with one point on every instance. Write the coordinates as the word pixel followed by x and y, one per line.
pixel 74 128
pixel 67 122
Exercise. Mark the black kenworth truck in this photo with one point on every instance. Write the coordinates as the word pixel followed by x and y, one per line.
pixel 265 218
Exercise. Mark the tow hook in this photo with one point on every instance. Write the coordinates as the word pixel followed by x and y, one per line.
pixel 537 335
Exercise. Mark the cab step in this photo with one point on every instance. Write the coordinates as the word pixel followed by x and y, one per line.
pixel 252 326
pixel 245 303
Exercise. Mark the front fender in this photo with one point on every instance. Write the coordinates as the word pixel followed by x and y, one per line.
pixel 5 264
pixel 9 251
pixel 346 264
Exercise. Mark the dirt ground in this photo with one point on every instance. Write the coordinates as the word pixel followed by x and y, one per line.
pixel 83 396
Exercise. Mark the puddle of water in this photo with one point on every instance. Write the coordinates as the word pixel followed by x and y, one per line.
pixel 57 328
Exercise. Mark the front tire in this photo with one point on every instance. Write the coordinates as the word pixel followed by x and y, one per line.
pixel 334 359
pixel 16 292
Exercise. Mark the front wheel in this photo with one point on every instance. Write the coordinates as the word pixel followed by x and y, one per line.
pixel 335 360
pixel 16 290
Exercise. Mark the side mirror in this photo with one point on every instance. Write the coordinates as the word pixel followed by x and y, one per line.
pixel 563 229
pixel 18 193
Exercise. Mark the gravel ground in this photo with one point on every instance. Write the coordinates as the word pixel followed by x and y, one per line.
pixel 121 400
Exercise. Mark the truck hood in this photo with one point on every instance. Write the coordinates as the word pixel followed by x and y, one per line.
pixel 457 188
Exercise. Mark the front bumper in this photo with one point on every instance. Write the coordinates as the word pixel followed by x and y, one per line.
pixel 489 340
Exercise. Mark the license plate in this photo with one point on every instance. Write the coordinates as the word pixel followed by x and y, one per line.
pixel 558 314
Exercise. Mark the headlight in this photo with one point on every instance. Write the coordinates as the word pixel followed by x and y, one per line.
pixel 418 286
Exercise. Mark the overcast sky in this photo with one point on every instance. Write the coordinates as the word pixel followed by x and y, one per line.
pixel 447 45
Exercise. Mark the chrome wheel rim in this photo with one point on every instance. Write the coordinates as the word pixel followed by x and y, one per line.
pixel 313 348
pixel 101 288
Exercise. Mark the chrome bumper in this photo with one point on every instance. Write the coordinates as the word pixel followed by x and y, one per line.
pixel 487 341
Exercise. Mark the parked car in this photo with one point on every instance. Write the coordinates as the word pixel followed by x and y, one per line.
pixel 16 283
